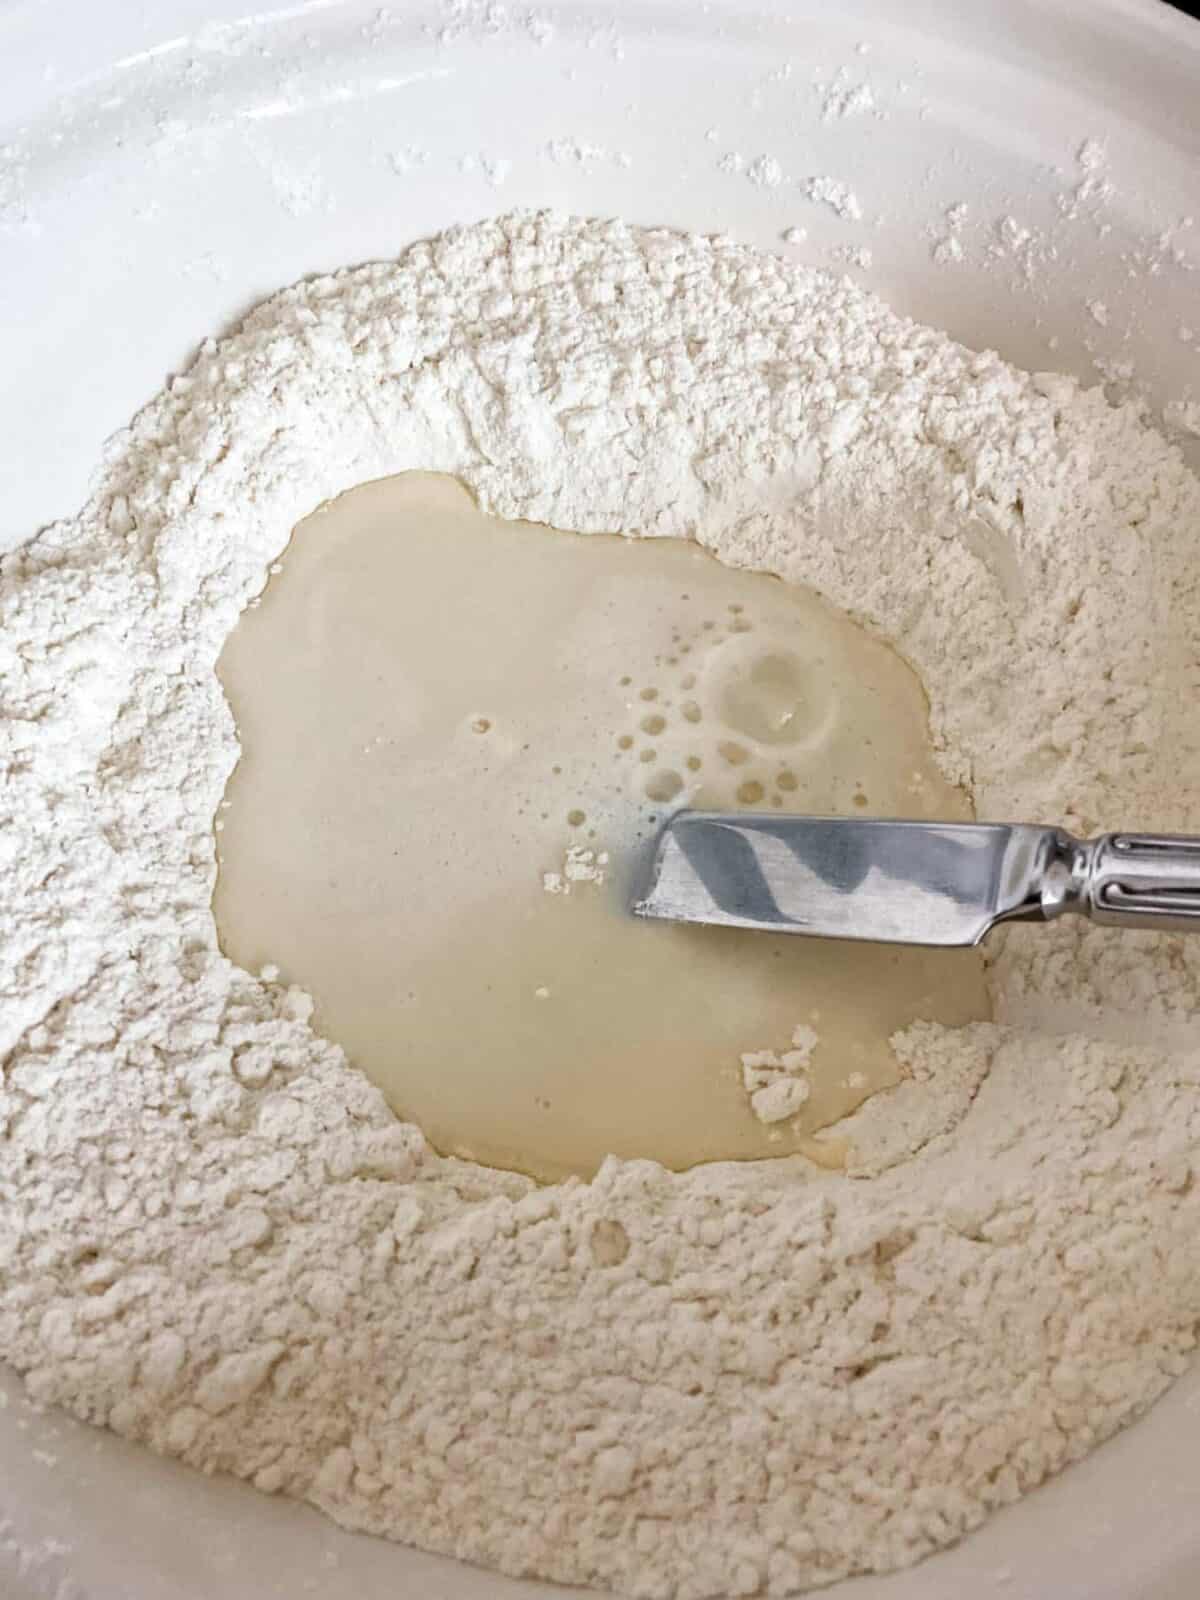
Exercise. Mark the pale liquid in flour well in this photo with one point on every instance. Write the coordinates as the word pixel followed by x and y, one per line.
pixel 436 706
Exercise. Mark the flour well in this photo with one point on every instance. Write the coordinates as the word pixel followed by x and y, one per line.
pixel 458 737
pixel 217 1239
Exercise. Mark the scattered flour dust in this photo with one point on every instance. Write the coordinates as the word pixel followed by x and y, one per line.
pixel 838 196
pixel 744 1379
pixel 844 98
pixel 580 865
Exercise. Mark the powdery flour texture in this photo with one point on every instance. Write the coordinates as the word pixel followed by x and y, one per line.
pixel 215 1238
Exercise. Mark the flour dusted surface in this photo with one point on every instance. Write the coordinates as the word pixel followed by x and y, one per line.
pixel 215 1237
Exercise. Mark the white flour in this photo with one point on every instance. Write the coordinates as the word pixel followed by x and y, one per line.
pixel 580 865
pixel 214 1236
pixel 778 1084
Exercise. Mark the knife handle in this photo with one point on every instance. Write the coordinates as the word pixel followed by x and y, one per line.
pixel 1143 880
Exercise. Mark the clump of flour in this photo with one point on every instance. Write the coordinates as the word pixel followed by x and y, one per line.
pixel 746 1378
pixel 777 1083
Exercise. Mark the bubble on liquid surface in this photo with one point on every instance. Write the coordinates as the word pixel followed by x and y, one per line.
pixel 664 786
pixel 772 697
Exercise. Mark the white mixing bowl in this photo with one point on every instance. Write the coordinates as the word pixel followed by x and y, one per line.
pixel 162 167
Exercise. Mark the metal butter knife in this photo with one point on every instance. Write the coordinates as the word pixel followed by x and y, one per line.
pixel 929 883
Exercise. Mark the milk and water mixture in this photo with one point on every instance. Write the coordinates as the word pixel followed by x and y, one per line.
pixel 457 735
pixel 401 1186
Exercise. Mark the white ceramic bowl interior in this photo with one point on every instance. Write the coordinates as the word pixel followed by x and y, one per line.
pixel 162 167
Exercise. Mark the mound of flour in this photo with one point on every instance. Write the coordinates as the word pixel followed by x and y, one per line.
pixel 214 1236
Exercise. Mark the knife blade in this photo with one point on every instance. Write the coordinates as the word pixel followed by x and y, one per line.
pixel 910 882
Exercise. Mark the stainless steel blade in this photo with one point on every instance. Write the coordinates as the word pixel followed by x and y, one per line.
pixel 930 883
